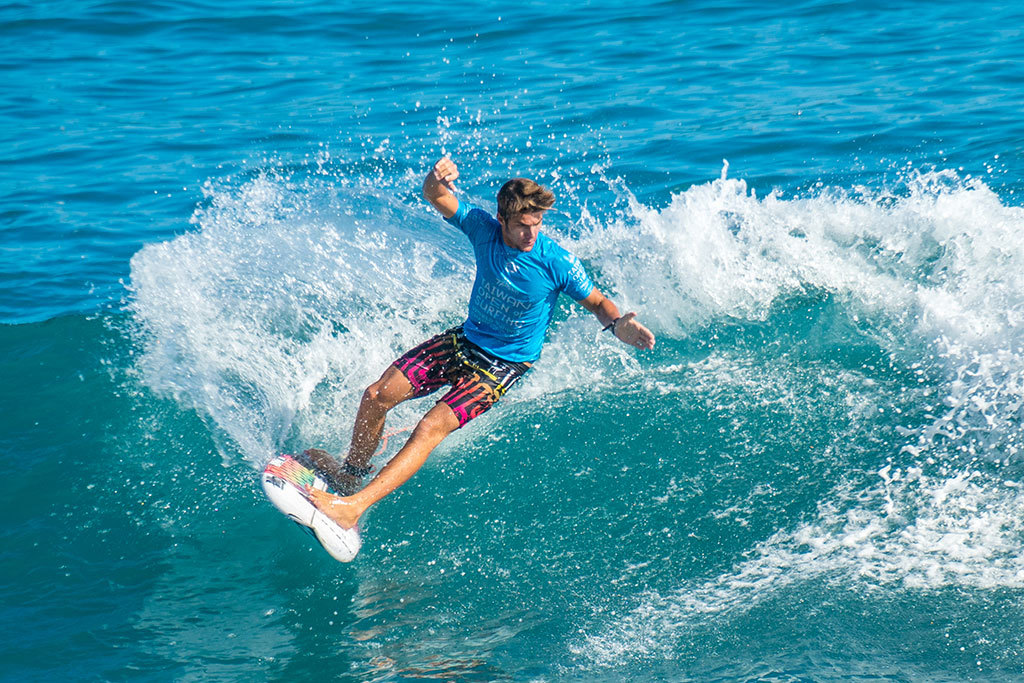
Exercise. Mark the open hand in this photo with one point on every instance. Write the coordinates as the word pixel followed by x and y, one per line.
pixel 629 331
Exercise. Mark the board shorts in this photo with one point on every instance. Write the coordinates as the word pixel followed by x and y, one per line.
pixel 478 379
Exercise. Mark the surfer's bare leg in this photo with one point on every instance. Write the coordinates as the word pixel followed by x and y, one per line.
pixel 437 424
pixel 387 392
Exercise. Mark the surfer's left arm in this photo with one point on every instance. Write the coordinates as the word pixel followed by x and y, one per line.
pixel 625 327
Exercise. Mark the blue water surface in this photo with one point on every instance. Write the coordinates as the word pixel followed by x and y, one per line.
pixel 212 240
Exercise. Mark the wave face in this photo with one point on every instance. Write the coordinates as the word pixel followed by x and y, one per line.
pixel 213 240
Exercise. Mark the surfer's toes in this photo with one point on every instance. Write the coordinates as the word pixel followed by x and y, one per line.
pixel 339 510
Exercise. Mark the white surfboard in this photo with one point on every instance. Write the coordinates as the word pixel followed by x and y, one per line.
pixel 284 481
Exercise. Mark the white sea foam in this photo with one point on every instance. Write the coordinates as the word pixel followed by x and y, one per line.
pixel 282 290
pixel 910 531
pixel 934 274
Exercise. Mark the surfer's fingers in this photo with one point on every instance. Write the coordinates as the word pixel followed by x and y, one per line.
pixel 446 169
pixel 634 333
pixel 447 176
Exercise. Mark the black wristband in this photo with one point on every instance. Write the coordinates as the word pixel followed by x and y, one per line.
pixel 611 325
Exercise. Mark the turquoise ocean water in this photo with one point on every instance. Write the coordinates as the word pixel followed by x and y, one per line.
pixel 212 240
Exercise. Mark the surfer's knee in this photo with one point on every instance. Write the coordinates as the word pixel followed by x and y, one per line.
pixel 374 394
pixel 438 423
pixel 388 391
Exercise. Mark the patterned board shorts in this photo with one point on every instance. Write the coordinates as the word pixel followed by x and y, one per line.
pixel 478 379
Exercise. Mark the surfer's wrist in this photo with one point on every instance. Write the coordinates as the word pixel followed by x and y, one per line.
pixel 611 326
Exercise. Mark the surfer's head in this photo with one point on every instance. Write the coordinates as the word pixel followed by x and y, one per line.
pixel 521 207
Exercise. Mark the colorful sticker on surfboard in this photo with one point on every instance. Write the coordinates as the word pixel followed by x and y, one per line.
pixel 284 481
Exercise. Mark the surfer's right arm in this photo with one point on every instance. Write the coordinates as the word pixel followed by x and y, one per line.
pixel 439 185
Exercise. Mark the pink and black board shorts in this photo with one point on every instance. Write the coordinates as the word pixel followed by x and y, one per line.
pixel 477 378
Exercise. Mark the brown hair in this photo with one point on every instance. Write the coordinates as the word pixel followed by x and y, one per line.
pixel 522 195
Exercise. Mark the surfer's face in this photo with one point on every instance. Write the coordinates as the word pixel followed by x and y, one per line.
pixel 521 230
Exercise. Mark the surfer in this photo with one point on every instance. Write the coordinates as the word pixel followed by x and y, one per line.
pixel 519 275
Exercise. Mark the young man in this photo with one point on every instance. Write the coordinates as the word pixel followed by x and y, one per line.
pixel 519 274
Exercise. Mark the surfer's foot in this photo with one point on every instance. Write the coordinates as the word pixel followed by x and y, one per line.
pixel 336 474
pixel 341 511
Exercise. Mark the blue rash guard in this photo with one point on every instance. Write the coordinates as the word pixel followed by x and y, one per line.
pixel 514 293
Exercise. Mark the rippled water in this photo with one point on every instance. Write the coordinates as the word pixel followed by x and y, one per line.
pixel 212 240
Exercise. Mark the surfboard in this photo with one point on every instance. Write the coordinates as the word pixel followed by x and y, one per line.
pixel 284 481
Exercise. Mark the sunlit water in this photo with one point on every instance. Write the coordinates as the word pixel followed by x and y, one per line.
pixel 213 239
